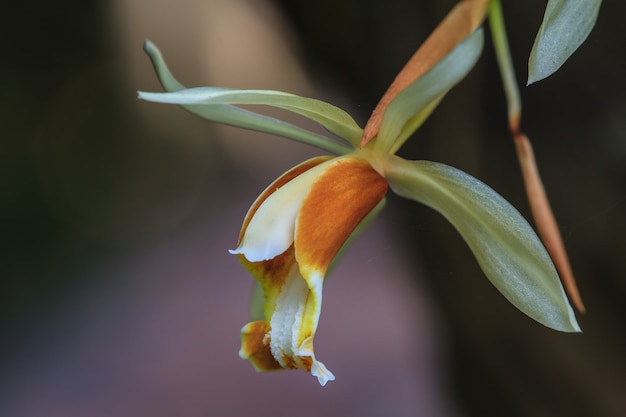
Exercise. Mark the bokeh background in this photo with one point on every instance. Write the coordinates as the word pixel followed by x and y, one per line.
pixel 118 296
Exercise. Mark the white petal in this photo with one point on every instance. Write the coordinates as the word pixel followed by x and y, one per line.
pixel 293 325
pixel 287 318
pixel 271 229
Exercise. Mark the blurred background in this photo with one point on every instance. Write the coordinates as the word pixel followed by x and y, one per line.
pixel 118 296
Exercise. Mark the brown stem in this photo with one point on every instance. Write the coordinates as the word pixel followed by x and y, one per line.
pixel 544 218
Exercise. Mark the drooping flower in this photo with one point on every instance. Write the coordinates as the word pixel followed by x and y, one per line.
pixel 297 226
pixel 289 238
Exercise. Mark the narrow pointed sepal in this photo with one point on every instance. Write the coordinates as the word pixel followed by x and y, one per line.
pixel 412 106
pixel 460 22
pixel 216 104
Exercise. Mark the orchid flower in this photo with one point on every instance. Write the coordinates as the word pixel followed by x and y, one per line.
pixel 298 225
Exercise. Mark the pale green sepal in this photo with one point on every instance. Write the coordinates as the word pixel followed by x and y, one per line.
pixel 505 245
pixel 414 123
pixel 330 117
pixel 235 116
pixel 566 24
pixel 402 117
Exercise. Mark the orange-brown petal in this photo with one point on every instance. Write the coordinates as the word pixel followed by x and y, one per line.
pixel 255 346
pixel 337 202
pixel 272 275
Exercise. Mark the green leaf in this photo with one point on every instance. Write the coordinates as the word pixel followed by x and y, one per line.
pixel 504 244
pixel 566 25
pixel 411 106
pixel 214 104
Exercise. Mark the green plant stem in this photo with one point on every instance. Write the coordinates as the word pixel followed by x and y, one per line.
pixel 505 62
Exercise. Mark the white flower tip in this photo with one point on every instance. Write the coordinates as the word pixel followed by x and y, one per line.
pixel 235 251
pixel 257 254
pixel 321 372
pixel 318 369
pixel 242 353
